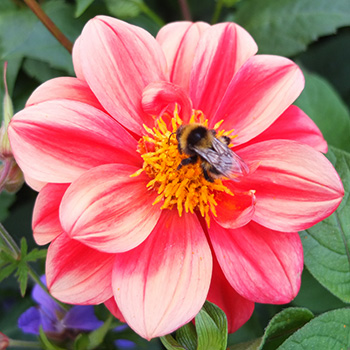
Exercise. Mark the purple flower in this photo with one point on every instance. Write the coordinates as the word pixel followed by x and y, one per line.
pixel 56 322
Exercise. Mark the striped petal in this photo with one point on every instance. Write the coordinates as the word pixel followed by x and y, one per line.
pixel 163 283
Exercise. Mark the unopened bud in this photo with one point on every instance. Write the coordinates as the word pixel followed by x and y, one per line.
pixel 4 341
pixel 5 148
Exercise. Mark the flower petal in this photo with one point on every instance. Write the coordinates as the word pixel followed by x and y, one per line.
pixel 45 222
pixel 258 94
pixel 222 50
pixel 77 274
pixel 82 317
pixel 76 52
pixel 161 97
pixel 234 211
pixel 34 184
pixel 113 308
pixel 179 42
pixel 237 309
pixel 56 141
pixel 30 321
pixel 108 210
pixel 162 284
pixel 262 265
pixel 296 186
pixel 64 88
pixel 294 124
pixel 118 61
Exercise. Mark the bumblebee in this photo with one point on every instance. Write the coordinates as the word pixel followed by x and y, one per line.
pixel 217 159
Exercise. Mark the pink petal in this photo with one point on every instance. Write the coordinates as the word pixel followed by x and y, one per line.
pixel 113 308
pixel 234 211
pixel 76 52
pixel 258 94
pixel 56 141
pixel 118 61
pixel 162 284
pixel 77 274
pixel 262 265
pixel 108 210
pixel 179 41
pixel 64 88
pixel 294 124
pixel 46 223
pixel 237 309
pixel 161 97
pixel 296 186
pixel 222 50
pixel 34 184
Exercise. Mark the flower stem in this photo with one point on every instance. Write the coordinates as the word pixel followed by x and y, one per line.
pixel 24 344
pixel 217 11
pixel 185 10
pixel 9 242
pixel 45 19
pixel 151 14
pixel 16 253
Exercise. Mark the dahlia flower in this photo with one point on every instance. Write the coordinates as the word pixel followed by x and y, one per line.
pixel 130 228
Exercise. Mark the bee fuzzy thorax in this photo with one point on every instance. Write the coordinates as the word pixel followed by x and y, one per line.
pixel 177 166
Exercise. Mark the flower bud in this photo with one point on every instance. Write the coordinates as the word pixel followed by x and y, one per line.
pixel 4 341
pixel 11 177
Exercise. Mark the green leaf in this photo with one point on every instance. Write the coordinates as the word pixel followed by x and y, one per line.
pixel 22 276
pixel 35 254
pixel 47 345
pixel 187 336
pixel 6 199
pixel 283 325
pixel 327 244
pixel 314 296
pixel 250 345
pixel 96 337
pixel 287 27
pixel 211 327
pixel 170 343
pixel 124 8
pixel 81 7
pixel 41 71
pixel 324 106
pixel 6 271
pixel 81 342
pixel 328 331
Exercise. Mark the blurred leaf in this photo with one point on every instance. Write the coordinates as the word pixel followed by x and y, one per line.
pixel 287 27
pixel 328 331
pixel 326 245
pixel 170 343
pixel 96 337
pixel 324 106
pixel 47 345
pixel 250 345
pixel 81 6
pixel 187 336
pixel 124 8
pixel 330 58
pixel 35 254
pixel 314 296
pixel 211 327
pixel 6 199
pixel 32 39
pixel 283 325
pixel 41 71
pixel 81 342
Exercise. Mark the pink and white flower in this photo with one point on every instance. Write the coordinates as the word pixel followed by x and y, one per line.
pixel 130 230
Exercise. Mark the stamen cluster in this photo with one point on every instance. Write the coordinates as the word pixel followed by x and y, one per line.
pixel 184 188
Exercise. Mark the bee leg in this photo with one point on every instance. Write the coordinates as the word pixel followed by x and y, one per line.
pixel 206 174
pixel 187 161
pixel 226 139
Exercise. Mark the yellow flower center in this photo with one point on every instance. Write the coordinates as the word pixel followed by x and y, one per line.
pixel 184 188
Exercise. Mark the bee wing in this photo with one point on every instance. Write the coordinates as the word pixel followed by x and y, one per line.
pixel 225 161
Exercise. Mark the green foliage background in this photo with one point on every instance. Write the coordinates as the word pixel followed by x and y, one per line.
pixel 315 34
